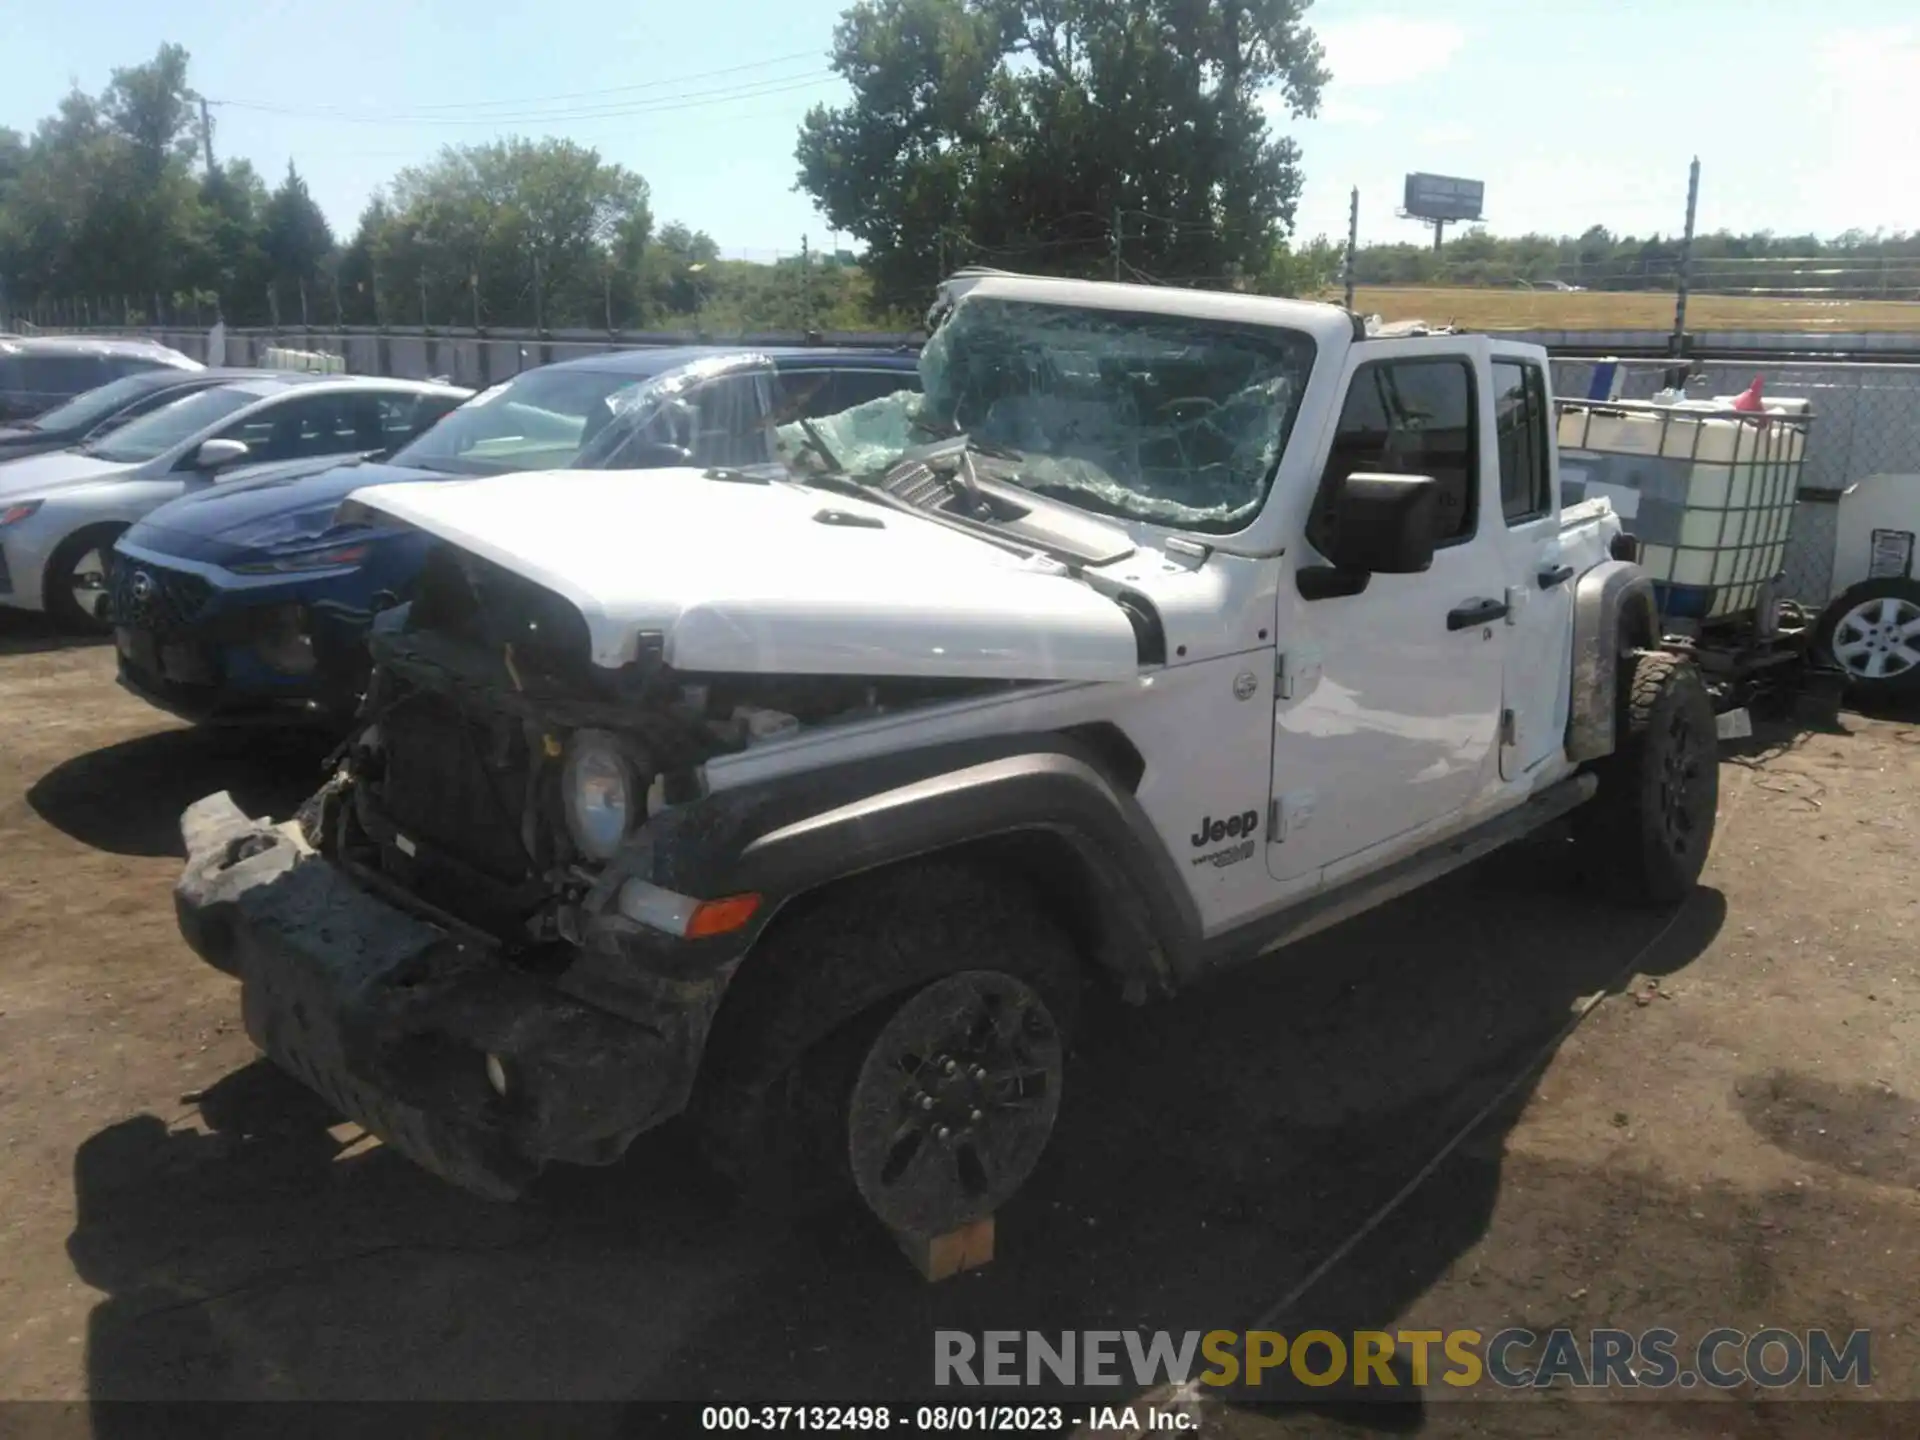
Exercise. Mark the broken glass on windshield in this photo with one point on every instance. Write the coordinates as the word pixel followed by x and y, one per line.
pixel 1163 418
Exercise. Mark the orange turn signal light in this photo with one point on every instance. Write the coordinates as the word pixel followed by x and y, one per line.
pixel 721 917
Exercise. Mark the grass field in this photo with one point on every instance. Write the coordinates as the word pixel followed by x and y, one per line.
pixel 1620 310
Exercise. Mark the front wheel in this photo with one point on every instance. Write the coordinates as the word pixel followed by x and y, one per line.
pixel 1646 832
pixel 1872 635
pixel 954 1101
pixel 74 589
pixel 904 1041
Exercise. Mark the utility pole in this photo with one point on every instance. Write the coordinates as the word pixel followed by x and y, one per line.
pixel 206 132
pixel 424 321
pixel 806 293
pixel 1116 242
pixel 1678 343
pixel 1353 239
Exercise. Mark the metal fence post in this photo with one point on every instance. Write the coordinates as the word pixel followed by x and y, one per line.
pixel 1678 344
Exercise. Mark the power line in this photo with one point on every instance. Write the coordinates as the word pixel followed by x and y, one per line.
pixel 692 99
pixel 550 99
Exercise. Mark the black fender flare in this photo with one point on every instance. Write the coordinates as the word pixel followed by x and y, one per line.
pixel 1611 602
pixel 787 837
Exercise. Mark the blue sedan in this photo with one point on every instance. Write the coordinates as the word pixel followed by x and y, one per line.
pixel 253 600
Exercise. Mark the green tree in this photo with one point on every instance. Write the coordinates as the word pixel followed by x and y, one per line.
pixel 296 241
pixel 1037 133
pixel 534 228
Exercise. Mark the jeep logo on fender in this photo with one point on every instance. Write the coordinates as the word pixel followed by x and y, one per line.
pixel 1212 831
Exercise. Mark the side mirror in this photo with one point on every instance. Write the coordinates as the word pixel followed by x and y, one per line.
pixel 219 454
pixel 1380 524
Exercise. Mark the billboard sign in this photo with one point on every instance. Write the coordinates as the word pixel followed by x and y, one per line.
pixel 1442 197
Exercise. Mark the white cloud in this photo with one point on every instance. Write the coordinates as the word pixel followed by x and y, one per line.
pixel 1388 49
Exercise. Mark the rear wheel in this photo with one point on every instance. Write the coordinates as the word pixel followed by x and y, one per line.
pixel 904 1041
pixel 1872 635
pixel 74 588
pixel 1646 832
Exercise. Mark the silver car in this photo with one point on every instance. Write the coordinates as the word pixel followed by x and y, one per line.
pixel 60 513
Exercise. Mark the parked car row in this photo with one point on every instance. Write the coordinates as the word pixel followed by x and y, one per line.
pixel 212 498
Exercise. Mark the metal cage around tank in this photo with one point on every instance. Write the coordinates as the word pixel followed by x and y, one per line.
pixel 1709 491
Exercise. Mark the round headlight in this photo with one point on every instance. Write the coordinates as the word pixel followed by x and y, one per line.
pixel 597 782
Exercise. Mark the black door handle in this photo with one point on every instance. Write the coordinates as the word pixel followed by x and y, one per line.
pixel 1559 576
pixel 1475 612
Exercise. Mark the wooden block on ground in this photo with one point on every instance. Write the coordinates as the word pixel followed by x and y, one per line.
pixel 938 1257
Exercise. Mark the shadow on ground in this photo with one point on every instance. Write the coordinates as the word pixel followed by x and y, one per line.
pixel 127 798
pixel 1210 1152
pixel 24 632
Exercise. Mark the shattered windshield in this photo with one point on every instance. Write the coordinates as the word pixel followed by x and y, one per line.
pixel 1161 418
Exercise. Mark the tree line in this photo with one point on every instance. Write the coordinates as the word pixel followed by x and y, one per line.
pixel 1070 137
pixel 117 211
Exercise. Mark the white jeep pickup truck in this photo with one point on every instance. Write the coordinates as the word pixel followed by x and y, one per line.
pixel 1167 628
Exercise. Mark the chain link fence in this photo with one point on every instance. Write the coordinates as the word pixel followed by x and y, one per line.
pixel 1866 422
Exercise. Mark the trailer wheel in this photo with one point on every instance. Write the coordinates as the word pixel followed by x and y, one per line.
pixel 1646 833
pixel 1872 635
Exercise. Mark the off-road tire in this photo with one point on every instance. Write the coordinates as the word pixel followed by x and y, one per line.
pixel 771 1109
pixel 1906 595
pixel 1645 834
pixel 57 581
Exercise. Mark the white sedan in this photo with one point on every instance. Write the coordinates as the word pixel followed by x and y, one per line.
pixel 60 513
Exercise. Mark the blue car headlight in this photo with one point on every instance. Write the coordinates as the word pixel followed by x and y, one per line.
pixel 292 529
pixel 316 557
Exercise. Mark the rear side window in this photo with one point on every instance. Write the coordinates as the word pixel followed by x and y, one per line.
pixel 856 387
pixel 407 416
pixel 56 377
pixel 119 366
pixel 1520 428
pixel 804 395
pixel 1412 417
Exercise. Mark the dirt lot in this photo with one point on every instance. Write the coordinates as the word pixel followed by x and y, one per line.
pixel 1727 1140
pixel 1490 309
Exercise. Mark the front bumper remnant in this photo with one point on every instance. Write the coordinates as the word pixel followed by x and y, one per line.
pixel 398 1022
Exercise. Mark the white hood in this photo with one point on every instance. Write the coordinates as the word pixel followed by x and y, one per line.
pixel 742 578
pixel 38 475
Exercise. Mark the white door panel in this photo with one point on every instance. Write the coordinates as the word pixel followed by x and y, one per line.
pixel 1397 727
pixel 1388 715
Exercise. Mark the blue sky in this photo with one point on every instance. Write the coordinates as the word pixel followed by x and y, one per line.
pixel 1574 112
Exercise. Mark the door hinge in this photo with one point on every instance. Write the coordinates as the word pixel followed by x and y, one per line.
pixel 1289 814
pixel 1293 675
pixel 1509 728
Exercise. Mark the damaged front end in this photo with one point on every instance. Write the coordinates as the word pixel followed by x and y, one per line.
pixel 469 942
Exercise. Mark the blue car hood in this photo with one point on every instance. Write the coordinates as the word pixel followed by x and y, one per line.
pixel 200 525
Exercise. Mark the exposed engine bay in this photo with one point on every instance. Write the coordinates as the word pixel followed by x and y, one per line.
pixel 495 769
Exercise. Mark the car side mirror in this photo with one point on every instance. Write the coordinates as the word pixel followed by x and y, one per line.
pixel 1380 524
pixel 220 454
